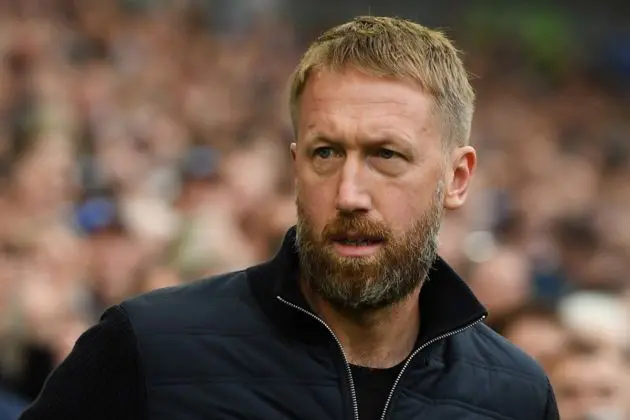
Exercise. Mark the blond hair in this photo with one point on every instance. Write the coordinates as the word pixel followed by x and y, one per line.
pixel 392 47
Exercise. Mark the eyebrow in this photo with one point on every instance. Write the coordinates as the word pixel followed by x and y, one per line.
pixel 383 141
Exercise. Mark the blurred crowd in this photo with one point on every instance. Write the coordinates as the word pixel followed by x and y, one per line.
pixel 141 150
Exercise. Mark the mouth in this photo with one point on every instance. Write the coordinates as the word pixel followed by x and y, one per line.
pixel 358 242
pixel 357 239
pixel 357 245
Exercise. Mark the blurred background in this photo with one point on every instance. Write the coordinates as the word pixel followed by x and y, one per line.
pixel 144 143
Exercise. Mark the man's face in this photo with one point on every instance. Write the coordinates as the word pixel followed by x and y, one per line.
pixel 371 184
pixel 541 338
pixel 587 385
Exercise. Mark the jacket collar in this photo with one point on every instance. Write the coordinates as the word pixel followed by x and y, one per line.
pixel 446 302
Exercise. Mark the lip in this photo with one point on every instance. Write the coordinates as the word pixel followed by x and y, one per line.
pixel 356 250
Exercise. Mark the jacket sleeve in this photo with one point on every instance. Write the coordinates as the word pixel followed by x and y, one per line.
pixel 101 378
pixel 551 410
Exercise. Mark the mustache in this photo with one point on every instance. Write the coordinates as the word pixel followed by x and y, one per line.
pixel 355 225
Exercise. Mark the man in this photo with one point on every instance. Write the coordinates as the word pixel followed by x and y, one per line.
pixel 355 317
pixel 537 330
pixel 591 381
pixel 11 405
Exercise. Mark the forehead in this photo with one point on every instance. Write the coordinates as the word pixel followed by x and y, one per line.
pixel 352 100
pixel 535 327
pixel 589 367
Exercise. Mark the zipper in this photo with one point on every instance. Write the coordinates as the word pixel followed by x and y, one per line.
pixel 353 392
pixel 418 350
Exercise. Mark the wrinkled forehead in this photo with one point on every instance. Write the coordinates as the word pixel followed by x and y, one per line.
pixel 354 83
pixel 333 101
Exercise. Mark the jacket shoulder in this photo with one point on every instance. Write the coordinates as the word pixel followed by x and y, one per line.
pixel 485 348
pixel 210 304
pixel 497 376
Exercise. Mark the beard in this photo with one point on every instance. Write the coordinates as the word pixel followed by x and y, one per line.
pixel 365 284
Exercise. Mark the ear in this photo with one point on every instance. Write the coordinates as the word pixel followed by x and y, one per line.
pixel 463 162
pixel 293 149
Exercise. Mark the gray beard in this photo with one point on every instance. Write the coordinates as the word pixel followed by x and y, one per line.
pixel 362 285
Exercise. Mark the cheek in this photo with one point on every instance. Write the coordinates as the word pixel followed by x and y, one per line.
pixel 401 207
pixel 316 201
pixel 395 210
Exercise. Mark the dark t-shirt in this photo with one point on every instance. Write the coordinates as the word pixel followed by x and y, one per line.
pixel 373 387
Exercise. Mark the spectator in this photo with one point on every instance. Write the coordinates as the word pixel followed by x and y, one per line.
pixel 11 405
pixel 590 381
pixel 537 329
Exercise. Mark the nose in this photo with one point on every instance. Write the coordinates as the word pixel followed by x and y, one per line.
pixel 352 193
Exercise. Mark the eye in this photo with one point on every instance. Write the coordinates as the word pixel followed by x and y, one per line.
pixel 324 152
pixel 386 153
pixel 388 162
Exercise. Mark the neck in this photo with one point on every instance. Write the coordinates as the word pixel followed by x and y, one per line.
pixel 378 339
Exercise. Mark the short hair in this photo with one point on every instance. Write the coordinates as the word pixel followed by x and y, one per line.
pixel 398 48
pixel 579 347
pixel 537 310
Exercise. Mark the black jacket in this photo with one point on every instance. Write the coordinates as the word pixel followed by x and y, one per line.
pixel 245 345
